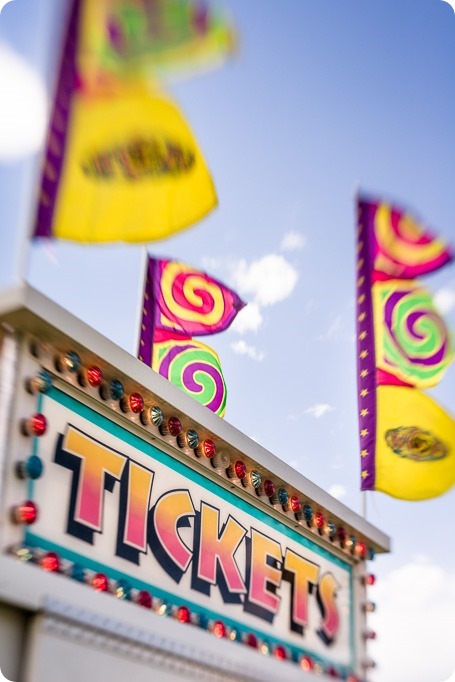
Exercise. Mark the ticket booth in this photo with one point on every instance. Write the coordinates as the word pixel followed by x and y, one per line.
pixel 144 538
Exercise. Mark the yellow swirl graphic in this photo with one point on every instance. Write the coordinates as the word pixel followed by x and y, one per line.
pixel 188 306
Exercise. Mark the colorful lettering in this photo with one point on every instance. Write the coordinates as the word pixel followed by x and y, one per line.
pixel 302 574
pixel 264 574
pixel 327 590
pixel 135 492
pixel 170 510
pixel 95 469
pixel 217 550
pixel 176 532
pixel 139 491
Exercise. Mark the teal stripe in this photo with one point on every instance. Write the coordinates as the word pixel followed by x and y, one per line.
pixel 36 541
pixel 352 644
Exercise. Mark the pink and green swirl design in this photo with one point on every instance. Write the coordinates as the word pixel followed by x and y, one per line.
pixel 412 339
pixel 195 369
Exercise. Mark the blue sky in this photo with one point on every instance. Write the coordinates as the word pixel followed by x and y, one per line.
pixel 323 97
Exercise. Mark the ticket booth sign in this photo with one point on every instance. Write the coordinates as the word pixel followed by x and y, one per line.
pixel 113 502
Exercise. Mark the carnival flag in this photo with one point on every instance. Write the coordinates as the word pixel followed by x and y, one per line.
pixel 181 302
pixel 155 37
pixel 407 441
pixel 121 163
pixel 180 299
pixel 399 246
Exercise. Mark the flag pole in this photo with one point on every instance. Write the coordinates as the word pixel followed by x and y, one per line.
pixel 363 494
pixel 140 298
pixel 26 221
pixel 31 186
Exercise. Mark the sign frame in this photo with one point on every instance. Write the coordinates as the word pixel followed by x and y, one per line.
pixel 36 323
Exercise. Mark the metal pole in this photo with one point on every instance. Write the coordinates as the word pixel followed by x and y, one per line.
pixel 140 298
pixel 56 17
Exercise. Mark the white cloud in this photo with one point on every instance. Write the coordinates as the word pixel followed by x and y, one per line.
pixel 292 241
pixel 319 410
pixel 415 609
pixel 337 490
pixel 243 348
pixel 23 107
pixel 3 3
pixel 269 280
pixel 249 319
pixel 445 299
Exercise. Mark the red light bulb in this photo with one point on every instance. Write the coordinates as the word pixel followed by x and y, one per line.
pixel 240 469
pixel 342 535
pixel 94 376
pixel 306 663
pixel 219 629
pixel 144 598
pixel 100 582
pixel 251 640
pixel 25 513
pixel 183 614
pixel 50 562
pixel 35 425
pixel 269 488
pixel 136 402
pixel 174 426
pixel 171 426
pixel 295 504
pixel 361 550
pixel 206 448
pixel 319 520
pixel 280 652
pixel 369 579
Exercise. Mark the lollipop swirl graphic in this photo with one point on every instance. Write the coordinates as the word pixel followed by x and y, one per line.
pixel 193 302
pixel 194 368
pixel 414 341
pixel 403 247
